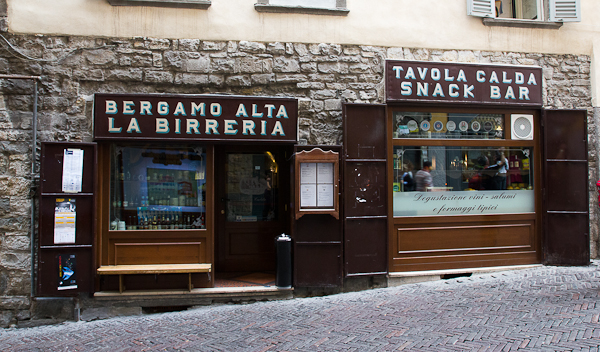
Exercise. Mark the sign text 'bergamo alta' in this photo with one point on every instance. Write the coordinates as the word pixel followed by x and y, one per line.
pixel 423 81
pixel 194 117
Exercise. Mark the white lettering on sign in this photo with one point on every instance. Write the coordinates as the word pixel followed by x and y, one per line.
pixel 181 124
pixel 413 82
pixel 463 203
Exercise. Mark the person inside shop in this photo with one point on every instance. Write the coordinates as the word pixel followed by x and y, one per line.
pixel 423 178
pixel 481 179
pixel 501 168
pixel 408 179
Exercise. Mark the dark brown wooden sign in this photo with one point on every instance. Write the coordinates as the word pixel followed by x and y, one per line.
pixel 195 117
pixel 420 81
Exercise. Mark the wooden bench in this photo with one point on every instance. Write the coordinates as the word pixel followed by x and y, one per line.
pixel 155 269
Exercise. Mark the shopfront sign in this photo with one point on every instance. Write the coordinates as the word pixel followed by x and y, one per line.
pixel 463 203
pixel 195 117
pixel 421 81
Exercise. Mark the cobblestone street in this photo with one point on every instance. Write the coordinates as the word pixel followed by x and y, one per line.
pixel 540 309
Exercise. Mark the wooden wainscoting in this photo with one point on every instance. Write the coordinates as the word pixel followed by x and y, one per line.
pixel 132 253
pixel 434 243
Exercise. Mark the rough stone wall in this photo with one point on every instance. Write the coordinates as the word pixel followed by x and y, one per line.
pixel 321 76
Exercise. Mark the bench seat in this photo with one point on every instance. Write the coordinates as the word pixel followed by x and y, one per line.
pixel 154 269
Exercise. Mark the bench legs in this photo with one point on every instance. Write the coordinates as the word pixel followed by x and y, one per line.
pixel 190 285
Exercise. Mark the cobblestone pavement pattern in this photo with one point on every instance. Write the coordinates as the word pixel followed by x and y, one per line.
pixel 540 309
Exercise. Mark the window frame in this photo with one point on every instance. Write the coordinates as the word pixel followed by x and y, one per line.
pixel 339 10
pixel 553 14
pixel 187 4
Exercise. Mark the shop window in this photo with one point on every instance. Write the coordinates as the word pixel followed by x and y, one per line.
pixel 527 10
pixel 315 7
pixel 155 187
pixel 447 125
pixel 462 180
pixel 190 4
pixel 252 187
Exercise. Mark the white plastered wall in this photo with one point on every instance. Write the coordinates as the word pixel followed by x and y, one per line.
pixel 440 24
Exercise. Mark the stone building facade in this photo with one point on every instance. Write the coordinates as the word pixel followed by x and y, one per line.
pixel 321 75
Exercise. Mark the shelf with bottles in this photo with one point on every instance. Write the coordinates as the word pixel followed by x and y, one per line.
pixel 161 218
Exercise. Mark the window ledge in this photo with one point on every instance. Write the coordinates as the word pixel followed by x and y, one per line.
pixel 301 9
pixel 497 22
pixel 188 4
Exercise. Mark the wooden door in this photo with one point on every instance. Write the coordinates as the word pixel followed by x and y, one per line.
pixel 565 214
pixel 365 190
pixel 251 203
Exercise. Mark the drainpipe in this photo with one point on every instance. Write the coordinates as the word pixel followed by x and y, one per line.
pixel 33 174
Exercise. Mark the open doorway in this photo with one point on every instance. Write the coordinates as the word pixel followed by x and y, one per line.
pixel 252 197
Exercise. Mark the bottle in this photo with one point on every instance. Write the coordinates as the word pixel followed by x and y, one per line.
pixel 154 223
pixel 177 224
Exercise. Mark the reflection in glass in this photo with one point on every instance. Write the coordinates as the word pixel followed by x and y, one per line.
pixel 502 178
pixel 252 187
pixel 448 125
pixel 156 187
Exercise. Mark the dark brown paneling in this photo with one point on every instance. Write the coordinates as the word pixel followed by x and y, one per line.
pixel 51 173
pixel 565 168
pixel 318 228
pixel 83 226
pixel 365 250
pixel 562 192
pixel 501 237
pixel 317 242
pixel 364 189
pixel 319 265
pixel 48 271
pixel 364 131
pixel 159 253
pixel 52 166
pixel 365 185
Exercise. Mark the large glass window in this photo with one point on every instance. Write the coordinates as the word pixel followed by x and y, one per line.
pixel 448 180
pixel 157 187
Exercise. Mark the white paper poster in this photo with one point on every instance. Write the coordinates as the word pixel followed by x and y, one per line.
pixel 308 173
pixel 308 195
pixel 325 173
pixel 325 195
pixel 72 170
pixel 64 220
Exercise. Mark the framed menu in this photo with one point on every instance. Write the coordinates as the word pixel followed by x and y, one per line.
pixel 317 183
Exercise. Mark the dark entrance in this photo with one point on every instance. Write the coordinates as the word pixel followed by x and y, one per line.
pixel 252 195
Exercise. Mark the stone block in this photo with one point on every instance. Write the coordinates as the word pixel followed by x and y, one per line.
pixel 392 53
pixel 251 47
pixel 223 65
pixel 133 74
pixel 14 302
pixel 290 78
pixel 152 76
pixel 311 85
pixel 323 94
pixel 359 68
pixel 239 81
pixel 276 48
pixel 251 64
pixel 157 44
pixel 18 243
pixel 213 46
pixel 200 64
pixel 289 48
pixel 89 75
pixel 194 79
pixel 189 44
pixel 310 67
pixel 102 57
pixel 157 60
pixel 334 67
pixel 263 78
pixel 282 64
pixel 217 80
pixel 333 104
pixel 301 49
pixel 90 314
